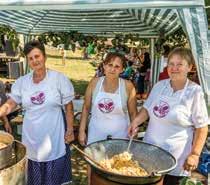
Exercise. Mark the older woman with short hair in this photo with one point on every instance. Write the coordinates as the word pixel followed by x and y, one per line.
pixel 178 116
pixel 43 93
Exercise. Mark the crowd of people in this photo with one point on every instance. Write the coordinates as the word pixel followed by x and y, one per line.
pixel 175 108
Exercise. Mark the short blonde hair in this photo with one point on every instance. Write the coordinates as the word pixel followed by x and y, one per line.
pixel 184 53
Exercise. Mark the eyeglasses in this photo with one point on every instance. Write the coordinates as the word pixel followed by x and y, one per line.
pixel 175 65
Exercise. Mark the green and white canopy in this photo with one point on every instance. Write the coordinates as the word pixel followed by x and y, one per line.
pixel 148 18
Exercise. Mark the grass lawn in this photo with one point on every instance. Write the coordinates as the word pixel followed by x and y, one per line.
pixel 78 70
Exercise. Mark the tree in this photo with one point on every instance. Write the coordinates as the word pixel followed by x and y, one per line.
pixel 11 34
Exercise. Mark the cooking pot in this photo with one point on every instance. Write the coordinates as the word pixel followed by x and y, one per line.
pixel 5 152
pixel 155 160
pixel 15 172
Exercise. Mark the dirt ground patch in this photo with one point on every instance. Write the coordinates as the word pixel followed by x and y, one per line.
pixel 79 169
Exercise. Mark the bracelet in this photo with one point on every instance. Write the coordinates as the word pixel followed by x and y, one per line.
pixel 69 132
pixel 196 154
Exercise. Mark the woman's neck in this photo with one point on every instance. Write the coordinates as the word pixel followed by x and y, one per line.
pixel 39 75
pixel 178 85
pixel 110 84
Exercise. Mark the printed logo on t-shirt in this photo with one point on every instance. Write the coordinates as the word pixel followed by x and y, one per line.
pixel 106 105
pixel 38 98
pixel 161 109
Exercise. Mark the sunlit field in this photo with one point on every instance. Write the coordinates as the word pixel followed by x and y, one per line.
pixel 78 70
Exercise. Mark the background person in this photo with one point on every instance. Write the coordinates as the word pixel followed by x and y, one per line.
pixel 164 60
pixel 3 99
pixel 43 93
pixel 63 55
pixel 144 67
pixel 128 71
pixel 178 116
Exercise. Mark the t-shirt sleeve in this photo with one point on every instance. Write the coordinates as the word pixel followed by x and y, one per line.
pixel 153 94
pixel 66 89
pixel 16 91
pixel 199 110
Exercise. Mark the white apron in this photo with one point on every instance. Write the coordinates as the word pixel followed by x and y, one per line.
pixel 43 125
pixel 107 116
pixel 168 128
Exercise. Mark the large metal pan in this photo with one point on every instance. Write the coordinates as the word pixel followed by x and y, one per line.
pixel 15 172
pixel 5 152
pixel 153 159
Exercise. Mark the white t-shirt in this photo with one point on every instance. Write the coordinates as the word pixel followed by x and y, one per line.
pixel 43 124
pixel 173 118
pixel 193 100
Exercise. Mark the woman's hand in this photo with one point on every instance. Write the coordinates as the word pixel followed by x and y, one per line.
pixel 191 162
pixel 133 129
pixel 82 138
pixel 69 136
pixel 8 128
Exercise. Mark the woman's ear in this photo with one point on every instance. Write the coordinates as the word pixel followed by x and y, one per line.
pixel 104 66
pixel 190 67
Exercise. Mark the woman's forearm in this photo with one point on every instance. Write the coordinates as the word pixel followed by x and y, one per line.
pixel 199 140
pixel 141 117
pixel 7 107
pixel 84 119
pixel 69 116
pixel 4 119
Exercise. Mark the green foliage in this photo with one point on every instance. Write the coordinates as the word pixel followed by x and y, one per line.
pixel 67 38
pixel 188 181
pixel 121 39
pixel 11 35
pixel 177 39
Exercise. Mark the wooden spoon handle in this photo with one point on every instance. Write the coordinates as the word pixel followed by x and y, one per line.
pixel 86 155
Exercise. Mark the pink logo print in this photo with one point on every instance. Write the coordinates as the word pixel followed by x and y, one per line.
pixel 106 105
pixel 38 98
pixel 161 110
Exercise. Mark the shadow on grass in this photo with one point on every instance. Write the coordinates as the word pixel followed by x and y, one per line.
pixel 59 57
pixel 80 86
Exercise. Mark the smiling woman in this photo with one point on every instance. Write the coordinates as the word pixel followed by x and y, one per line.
pixel 43 93
pixel 178 116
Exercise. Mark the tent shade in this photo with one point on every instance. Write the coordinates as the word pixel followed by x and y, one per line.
pixel 143 21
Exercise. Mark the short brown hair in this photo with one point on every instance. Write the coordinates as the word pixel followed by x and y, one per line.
pixel 111 56
pixel 184 53
pixel 32 45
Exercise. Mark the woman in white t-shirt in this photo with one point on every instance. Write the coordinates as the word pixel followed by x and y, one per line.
pixel 43 93
pixel 178 116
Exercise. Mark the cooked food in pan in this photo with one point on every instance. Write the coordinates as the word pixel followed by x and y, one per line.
pixel 124 165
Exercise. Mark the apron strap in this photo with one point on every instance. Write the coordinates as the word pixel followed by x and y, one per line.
pixel 100 87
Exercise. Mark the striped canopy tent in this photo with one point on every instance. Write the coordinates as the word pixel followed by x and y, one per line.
pixel 148 18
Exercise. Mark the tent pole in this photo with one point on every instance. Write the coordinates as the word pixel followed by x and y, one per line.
pixel 27 38
pixel 152 55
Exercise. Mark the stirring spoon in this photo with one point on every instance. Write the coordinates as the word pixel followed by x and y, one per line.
pixel 129 144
